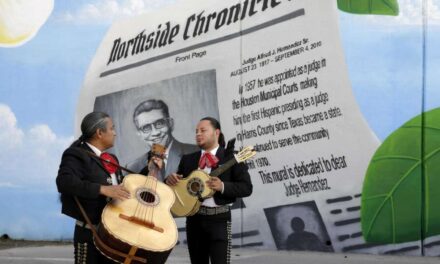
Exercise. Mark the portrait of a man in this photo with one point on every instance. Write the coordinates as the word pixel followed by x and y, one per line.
pixel 298 227
pixel 155 126
pixel 165 112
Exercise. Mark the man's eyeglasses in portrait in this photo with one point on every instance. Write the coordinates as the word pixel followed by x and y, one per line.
pixel 158 124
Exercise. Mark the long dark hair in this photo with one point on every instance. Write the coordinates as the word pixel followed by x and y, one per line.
pixel 90 124
pixel 216 125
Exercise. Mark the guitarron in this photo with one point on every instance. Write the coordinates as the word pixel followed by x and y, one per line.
pixel 141 226
pixel 192 190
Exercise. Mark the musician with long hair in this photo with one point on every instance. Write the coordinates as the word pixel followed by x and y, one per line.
pixel 209 230
pixel 84 174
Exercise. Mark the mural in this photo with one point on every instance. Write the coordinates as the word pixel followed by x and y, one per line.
pixel 21 20
pixel 343 111
pixel 398 196
pixel 295 234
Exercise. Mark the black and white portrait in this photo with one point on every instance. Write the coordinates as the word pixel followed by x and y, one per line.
pixel 298 227
pixel 164 112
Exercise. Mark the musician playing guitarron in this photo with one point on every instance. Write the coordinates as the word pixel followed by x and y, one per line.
pixel 209 230
pixel 92 181
pixel 88 178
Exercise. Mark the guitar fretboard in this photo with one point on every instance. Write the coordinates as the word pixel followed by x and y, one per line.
pixel 223 168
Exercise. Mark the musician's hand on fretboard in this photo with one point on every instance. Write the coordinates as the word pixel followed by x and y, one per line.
pixel 215 183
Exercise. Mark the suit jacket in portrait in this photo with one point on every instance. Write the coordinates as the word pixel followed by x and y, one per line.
pixel 236 180
pixel 81 175
pixel 178 149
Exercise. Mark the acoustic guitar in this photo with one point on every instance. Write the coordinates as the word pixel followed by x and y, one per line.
pixel 192 190
pixel 142 225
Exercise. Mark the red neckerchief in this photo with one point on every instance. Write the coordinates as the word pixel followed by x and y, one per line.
pixel 208 160
pixel 109 162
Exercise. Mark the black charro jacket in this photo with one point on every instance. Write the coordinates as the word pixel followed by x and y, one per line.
pixel 81 175
pixel 237 181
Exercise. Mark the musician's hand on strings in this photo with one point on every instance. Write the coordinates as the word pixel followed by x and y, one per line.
pixel 215 183
pixel 173 179
pixel 114 191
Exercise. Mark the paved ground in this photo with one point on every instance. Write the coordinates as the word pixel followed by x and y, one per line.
pixel 64 254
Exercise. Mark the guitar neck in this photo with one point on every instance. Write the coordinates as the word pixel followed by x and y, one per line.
pixel 153 170
pixel 223 168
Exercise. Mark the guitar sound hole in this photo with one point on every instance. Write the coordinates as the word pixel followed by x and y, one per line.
pixel 195 187
pixel 147 197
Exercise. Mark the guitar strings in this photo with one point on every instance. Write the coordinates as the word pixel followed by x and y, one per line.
pixel 140 211
pixel 154 205
pixel 138 206
pixel 150 185
pixel 147 208
pixel 153 187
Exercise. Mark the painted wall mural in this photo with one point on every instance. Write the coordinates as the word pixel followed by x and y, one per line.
pixel 399 197
pixel 21 20
pixel 339 98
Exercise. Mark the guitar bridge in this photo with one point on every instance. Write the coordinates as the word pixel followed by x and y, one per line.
pixel 141 222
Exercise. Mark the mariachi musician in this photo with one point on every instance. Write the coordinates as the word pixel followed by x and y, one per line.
pixel 209 230
pixel 91 180
pixel 93 176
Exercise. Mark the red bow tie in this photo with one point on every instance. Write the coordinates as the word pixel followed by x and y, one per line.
pixel 109 162
pixel 208 160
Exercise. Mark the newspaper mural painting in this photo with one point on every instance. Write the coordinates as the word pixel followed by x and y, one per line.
pixel 289 95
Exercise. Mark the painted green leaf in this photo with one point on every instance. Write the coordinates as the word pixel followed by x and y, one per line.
pixel 373 7
pixel 399 198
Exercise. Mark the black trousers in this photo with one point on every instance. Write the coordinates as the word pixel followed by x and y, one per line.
pixel 85 250
pixel 209 238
